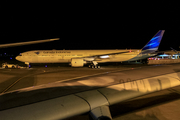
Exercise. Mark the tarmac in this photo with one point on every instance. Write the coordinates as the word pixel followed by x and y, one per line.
pixel 162 105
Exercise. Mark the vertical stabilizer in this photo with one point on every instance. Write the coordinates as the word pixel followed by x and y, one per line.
pixel 154 43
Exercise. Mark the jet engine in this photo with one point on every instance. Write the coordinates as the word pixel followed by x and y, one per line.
pixel 77 62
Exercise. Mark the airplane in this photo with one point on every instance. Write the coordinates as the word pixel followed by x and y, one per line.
pixel 77 58
pixel 26 43
pixel 94 101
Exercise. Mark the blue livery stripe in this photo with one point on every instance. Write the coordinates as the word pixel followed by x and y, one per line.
pixel 153 44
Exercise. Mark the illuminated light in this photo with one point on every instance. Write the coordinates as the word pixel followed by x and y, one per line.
pixel 45 65
pixel 130 51
pixel 105 56
pixel 11 58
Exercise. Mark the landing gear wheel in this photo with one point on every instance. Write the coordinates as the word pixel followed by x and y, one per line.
pixel 92 66
pixel 6 67
pixel 98 67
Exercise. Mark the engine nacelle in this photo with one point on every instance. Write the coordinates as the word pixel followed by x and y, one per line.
pixel 77 62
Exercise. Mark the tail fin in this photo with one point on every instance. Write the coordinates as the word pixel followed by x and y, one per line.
pixel 153 44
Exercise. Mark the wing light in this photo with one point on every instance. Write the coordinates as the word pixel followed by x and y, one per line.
pixel 104 56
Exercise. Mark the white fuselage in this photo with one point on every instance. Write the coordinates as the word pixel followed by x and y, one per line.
pixel 65 56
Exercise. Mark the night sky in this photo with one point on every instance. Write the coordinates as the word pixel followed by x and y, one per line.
pixel 89 24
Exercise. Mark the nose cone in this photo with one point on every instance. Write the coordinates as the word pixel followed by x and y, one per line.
pixel 18 58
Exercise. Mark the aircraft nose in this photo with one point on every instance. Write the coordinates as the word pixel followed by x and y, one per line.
pixel 17 57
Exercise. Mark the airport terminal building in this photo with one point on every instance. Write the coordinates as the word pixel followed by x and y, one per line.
pixel 166 58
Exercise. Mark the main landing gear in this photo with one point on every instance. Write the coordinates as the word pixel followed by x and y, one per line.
pixel 94 65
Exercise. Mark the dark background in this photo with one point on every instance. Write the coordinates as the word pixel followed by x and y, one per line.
pixel 89 24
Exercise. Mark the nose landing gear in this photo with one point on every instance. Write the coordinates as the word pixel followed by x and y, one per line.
pixel 27 64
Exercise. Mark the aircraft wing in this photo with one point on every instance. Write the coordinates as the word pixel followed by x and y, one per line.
pixel 26 43
pixel 50 102
pixel 105 55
